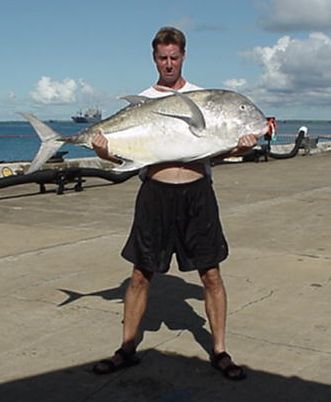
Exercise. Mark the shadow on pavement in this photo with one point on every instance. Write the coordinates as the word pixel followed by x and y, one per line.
pixel 161 377
pixel 167 304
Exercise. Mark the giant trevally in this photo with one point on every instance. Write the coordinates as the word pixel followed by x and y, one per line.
pixel 179 127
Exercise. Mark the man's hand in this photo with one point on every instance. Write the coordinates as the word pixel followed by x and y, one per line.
pixel 246 142
pixel 100 145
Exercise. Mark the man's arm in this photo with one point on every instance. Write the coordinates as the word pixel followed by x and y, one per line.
pixel 245 143
pixel 100 145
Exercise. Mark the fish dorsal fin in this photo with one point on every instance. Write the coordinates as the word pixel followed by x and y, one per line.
pixel 196 120
pixel 135 100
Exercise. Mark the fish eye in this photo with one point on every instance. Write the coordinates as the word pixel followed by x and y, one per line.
pixel 242 107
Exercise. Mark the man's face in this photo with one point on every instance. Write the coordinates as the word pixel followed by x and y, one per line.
pixel 169 60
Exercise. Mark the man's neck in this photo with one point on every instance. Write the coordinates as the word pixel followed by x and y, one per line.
pixel 176 85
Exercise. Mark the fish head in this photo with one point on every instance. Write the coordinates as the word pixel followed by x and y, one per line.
pixel 236 114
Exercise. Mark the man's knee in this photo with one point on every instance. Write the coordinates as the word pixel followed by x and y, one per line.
pixel 140 278
pixel 211 278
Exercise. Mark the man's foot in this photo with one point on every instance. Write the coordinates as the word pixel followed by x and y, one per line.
pixel 223 362
pixel 121 360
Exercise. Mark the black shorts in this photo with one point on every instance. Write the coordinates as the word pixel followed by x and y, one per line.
pixel 176 218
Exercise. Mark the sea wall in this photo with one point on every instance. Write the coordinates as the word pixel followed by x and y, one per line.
pixel 20 167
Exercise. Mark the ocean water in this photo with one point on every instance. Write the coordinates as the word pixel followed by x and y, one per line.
pixel 19 142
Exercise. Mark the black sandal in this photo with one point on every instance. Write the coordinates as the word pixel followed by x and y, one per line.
pixel 107 366
pixel 223 362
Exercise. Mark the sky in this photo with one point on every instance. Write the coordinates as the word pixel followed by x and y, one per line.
pixel 58 57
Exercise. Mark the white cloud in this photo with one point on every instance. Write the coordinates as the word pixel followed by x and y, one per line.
pixel 11 96
pixel 187 23
pixel 294 71
pixel 50 91
pixel 235 83
pixel 271 60
pixel 297 15
pixel 86 88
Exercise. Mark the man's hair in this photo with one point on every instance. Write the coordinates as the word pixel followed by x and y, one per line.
pixel 168 36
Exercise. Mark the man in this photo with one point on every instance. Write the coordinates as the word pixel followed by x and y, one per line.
pixel 176 212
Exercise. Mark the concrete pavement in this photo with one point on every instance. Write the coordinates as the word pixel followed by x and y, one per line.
pixel 62 283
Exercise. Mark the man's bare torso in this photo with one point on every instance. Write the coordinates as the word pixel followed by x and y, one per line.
pixel 176 172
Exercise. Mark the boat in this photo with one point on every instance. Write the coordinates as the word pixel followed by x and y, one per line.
pixel 92 115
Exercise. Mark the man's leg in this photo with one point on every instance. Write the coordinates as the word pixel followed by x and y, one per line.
pixel 215 305
pixel 135 303
pixel 216 308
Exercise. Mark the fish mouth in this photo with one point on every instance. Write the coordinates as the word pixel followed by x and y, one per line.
pixel 259 129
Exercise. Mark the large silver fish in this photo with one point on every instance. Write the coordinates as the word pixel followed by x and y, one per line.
pixel 179 127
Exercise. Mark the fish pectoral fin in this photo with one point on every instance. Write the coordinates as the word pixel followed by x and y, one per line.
pixel 135 99
pixel 196 120
pixel 195 130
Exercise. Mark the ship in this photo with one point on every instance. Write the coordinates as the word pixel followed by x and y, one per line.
pixel 92 115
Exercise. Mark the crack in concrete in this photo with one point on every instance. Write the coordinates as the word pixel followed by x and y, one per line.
pixel 249 304
pixel 287 345
pixel 315 256
pixel 258 205
pixel 56 304
pixel 13 257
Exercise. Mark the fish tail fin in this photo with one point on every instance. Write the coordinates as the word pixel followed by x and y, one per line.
pixel 71 296
pixel 50 142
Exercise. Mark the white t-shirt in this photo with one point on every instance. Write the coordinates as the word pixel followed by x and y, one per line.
pixel 151 92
